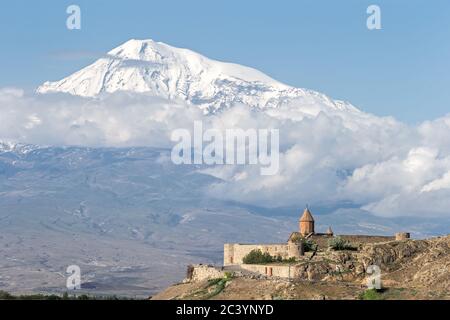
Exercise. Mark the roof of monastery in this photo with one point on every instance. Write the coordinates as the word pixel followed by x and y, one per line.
pixel 307 216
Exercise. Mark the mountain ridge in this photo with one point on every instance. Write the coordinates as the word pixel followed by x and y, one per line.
pixel 155 68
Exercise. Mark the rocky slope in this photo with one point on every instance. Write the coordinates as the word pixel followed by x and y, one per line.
pixel 412 269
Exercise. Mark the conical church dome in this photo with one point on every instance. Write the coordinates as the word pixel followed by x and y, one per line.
pixel 307 216
pixel 306 223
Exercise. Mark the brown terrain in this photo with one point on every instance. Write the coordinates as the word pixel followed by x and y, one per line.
pixel 410 269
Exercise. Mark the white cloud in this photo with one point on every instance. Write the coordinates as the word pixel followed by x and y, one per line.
pixel 380 164
pixel 119 120
pixel 438 184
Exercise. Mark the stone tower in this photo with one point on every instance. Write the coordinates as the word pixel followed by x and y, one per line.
pixel 306 223
pixel 329 232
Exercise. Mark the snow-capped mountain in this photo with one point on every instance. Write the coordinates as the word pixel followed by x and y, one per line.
pixel 18 148
pixel 155 68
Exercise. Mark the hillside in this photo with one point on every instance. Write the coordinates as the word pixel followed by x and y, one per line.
pixel 413 269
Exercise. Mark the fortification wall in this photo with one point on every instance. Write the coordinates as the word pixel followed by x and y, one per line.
pixel 204 272
pixel 362 239
pixel 271 270
pixel 322 239
pixel 400 236
pixel 234 253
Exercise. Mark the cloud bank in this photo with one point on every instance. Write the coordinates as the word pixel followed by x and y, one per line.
pixel 379 164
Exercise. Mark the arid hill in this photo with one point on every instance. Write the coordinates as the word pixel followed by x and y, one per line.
pixel 411 269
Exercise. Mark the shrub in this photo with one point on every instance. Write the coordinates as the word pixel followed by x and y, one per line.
pixel 308 245
pixel 371 294
pixel 337 243
pixel 256 256
pixel 289 260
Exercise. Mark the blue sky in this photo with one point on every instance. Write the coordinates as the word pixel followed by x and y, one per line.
pixel 401 70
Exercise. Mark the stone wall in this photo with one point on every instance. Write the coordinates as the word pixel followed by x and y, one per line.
pixel 363 239
pixel 356 240
pixel 400 236
pixel 204 272
pixel 272 270
pixel 234 253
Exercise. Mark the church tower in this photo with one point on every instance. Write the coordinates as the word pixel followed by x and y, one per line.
pixel 306 223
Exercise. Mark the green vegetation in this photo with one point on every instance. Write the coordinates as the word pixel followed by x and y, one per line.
pixel 219 284
pixel 256 256
pixel 289 260
pixel 308 244
pixel 7 296
pixel 337 243
pixel 371 294
pixel 280 259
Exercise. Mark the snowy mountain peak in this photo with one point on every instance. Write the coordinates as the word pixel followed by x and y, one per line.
pixel 17 148
pixel 155 68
